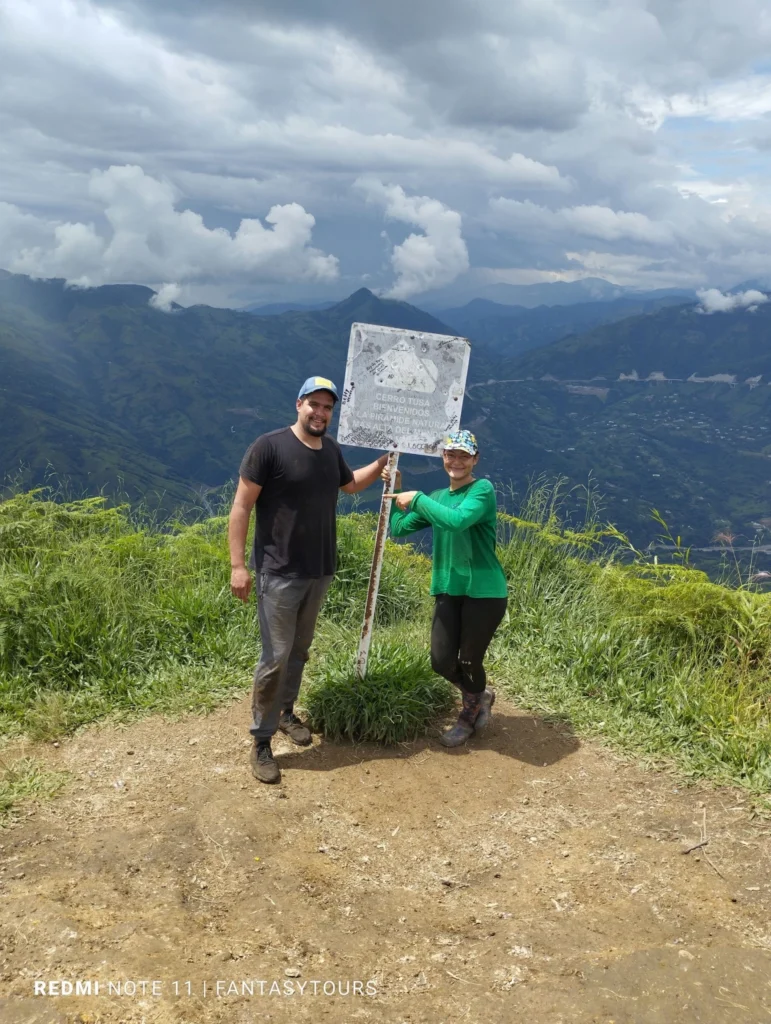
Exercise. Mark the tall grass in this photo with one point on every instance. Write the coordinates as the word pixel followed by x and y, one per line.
pixel 404 579
pixel 655 655
pixel 103 612
pixel 88 594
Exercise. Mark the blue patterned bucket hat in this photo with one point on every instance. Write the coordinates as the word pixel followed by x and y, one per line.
pixel 461 441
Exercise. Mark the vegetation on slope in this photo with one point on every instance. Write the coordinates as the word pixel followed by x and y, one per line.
pixel 114 395
pixel 102 614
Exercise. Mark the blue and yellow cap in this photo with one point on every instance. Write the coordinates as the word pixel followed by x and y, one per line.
pixel 461 441
pixel 318 384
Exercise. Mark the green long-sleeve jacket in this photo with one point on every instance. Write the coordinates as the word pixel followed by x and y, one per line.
pixel 464 521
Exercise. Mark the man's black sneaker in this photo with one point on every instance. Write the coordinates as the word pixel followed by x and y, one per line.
pixel 291 725
pixel 263 764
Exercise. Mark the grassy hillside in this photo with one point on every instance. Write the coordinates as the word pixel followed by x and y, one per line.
pixel 699 454
pixel 101 615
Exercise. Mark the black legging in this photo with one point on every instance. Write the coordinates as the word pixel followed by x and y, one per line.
pixel 461 632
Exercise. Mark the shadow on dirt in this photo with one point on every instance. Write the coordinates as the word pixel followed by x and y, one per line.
pixel 520 737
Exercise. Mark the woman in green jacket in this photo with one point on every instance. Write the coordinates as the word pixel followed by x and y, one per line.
pixel 467 581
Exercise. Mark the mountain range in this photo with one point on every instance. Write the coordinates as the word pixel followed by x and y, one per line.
pixel 110 393
pixel 509 330
pixel 549 293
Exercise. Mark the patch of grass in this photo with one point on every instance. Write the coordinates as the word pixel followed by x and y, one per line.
pixel 404 580
pixel 111 612
pixel 26 779
pixel 656 658
pixel 397 701
pixel 106 614
pixel 172 689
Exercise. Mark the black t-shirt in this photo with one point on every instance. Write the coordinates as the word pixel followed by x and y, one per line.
pixel 296 528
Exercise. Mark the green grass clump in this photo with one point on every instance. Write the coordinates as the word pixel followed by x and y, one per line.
pixel 397 701
pixel 26 779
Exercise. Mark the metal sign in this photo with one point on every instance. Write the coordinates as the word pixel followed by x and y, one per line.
pixel 403 389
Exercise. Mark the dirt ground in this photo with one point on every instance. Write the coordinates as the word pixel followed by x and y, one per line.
pixel 527 877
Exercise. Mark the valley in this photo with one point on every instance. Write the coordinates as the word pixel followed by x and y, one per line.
pixel 666 409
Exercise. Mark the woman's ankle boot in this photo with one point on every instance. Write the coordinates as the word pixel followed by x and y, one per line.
pixel 464 727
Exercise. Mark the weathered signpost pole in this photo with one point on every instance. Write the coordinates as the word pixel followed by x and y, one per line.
pixel 403 392
pixel 377 565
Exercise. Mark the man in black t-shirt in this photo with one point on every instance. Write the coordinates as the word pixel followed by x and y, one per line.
pixel 293 475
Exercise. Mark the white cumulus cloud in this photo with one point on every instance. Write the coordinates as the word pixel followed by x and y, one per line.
pixel 422 261
pixel 598 122
pixel 165 297
pixel 715 301
pixel 148 240
pixel 590 221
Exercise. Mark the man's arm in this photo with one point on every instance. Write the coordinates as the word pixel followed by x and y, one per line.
pixel 365 476
pixel 238 528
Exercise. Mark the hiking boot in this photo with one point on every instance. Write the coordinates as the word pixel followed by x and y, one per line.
pixel 296 730
pixel 485 710
pixel 263 764
pixel 464 727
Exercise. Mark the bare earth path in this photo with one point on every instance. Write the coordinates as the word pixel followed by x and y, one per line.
pixel 528 878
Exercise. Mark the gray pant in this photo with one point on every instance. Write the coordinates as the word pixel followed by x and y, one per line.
pixel 288 608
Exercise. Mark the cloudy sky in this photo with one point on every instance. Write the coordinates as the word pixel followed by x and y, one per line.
pixel 254 150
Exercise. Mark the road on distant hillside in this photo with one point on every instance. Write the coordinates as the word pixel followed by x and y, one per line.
pixel 528 877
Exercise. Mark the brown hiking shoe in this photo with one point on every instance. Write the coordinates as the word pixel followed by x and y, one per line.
pixel 292 727
pixel 485 710
pixel 263 764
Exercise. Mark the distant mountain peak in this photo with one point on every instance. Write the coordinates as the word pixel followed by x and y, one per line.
pixel 361 295
pixel 364 306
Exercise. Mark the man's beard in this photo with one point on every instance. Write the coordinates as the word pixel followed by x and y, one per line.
pixel 314 431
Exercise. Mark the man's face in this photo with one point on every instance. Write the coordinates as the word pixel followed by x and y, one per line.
pixel 314 412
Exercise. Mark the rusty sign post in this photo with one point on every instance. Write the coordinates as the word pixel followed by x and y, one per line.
pixel 377 565
pixel 403 392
